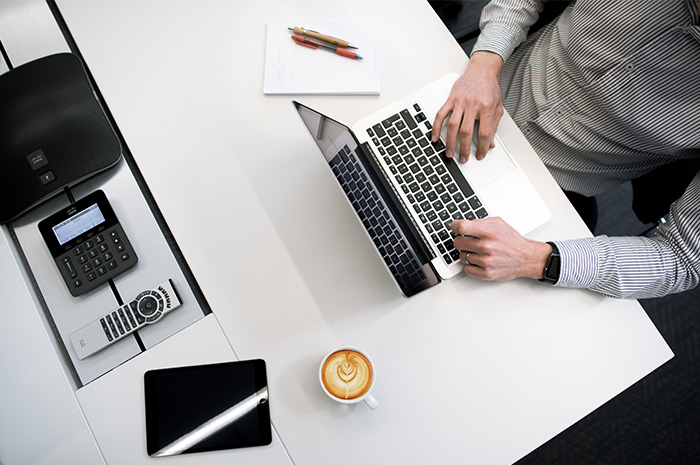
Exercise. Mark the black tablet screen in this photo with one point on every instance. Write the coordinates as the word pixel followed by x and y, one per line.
pixel 207 407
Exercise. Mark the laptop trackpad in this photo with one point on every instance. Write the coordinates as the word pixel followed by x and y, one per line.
pixel 496 164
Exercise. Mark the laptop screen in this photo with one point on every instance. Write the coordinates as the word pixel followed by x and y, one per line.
pixel 375 205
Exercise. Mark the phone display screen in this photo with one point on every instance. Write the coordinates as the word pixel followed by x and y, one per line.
pixel 78 224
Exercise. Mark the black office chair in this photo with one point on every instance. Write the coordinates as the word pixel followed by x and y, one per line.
pixel 654 192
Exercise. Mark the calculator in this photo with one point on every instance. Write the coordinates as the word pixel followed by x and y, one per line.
pixel 87 243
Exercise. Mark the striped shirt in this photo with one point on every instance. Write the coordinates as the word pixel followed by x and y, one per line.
pixel 605 93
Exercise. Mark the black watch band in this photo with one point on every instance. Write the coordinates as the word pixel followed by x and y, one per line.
pixel 553 266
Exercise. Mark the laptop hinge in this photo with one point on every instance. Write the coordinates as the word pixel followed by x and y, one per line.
pixel 408 219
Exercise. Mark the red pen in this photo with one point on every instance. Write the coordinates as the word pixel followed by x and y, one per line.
pixel 316 45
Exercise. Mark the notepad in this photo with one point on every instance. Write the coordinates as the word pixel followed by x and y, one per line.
pixel 294 69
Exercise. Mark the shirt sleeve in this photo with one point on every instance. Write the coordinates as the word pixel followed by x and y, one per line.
pixel 640 267
pixel 504 25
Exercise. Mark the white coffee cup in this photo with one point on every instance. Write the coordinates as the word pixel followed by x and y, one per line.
pixel 347 376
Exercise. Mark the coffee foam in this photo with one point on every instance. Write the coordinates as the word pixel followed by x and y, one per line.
pixel 347 374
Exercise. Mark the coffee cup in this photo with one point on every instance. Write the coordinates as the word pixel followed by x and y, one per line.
pixel 347 376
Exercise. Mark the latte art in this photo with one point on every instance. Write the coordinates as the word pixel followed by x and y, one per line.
pixel 347 374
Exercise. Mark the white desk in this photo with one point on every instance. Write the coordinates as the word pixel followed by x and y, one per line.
pixel 468 372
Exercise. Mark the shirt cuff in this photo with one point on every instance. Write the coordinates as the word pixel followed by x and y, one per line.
pixel 579 263
pixel 499 38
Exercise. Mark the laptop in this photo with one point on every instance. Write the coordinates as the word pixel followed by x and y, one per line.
pixel 406 192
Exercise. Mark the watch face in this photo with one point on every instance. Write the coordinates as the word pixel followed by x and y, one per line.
pixel 552 271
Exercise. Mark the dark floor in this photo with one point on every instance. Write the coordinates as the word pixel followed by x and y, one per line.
pixel 656 421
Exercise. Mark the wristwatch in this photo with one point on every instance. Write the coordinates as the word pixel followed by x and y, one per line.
pixel 553 266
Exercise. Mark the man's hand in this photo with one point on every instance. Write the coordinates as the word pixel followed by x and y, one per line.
pixel 475 98
pixel 494 251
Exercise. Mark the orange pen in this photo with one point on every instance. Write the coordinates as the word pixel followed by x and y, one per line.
pixel 316 45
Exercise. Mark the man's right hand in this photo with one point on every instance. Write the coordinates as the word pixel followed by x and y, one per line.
pixel 475 98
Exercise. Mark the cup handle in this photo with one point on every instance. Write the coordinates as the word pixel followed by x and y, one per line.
pixel 371 401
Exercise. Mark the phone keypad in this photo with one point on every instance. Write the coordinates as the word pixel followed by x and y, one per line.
pixel 96 260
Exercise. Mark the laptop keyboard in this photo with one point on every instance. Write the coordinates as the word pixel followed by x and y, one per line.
pixel 376 217
pixel 423 173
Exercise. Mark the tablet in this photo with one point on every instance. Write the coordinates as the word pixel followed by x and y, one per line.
pixel 207 407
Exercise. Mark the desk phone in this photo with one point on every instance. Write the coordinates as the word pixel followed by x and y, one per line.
pixel 87 243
